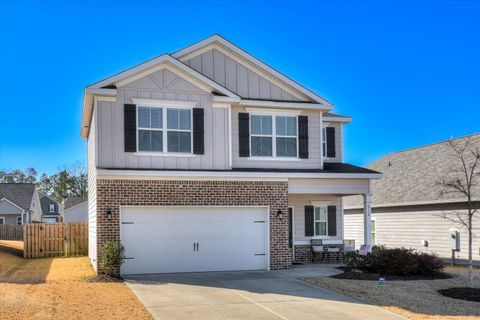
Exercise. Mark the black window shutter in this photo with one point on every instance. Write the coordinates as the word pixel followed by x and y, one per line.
pixel 130 127
pixel 303 137
pixel 331 142
pixel 332 221
pixel 244 134
pixel 309 221
pixel 198 131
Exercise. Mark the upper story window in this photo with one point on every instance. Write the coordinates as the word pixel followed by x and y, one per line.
pixel 51 208
pixel 273 136
pixel 164 129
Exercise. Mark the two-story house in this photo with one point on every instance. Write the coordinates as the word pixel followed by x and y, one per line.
pixel 51 210
pixel 208 159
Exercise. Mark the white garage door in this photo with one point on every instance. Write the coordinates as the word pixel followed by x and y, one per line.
pixel 184 239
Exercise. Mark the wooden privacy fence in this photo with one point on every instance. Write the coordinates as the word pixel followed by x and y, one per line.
pixel 11 232
pixel 55 239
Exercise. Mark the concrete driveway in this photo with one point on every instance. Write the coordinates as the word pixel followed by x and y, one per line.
pixel 247 295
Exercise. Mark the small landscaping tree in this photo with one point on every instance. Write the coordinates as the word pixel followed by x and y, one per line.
pixel 464 179
pixel 112 253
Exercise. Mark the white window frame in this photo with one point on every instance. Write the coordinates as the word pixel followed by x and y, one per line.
pixel 51 208
pixel 3 220
pixel 273 136
pixel 315 221
pixel 21 221
pixel 373 221
pixel 165 130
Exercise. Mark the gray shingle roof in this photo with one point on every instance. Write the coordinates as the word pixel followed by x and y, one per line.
pixel 20 194
pixel 412 176
pixel 72 201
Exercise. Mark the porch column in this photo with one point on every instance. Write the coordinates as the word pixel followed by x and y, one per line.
pixel 367 218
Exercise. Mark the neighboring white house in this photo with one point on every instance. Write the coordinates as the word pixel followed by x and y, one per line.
pixel 407 209
pixel 208 159
pixel 76 209
pixel 19 203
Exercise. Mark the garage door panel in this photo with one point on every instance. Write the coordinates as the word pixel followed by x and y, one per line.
pixel 161 240
pixel 159 248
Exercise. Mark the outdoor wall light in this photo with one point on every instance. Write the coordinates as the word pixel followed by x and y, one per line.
pixel 109 215
pixel 280 214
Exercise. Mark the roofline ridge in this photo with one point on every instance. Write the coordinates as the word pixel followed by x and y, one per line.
pixel 431 144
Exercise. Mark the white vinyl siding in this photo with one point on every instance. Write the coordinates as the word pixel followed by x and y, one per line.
pixel 408 228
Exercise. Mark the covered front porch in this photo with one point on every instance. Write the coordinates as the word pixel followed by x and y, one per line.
pixel 315 209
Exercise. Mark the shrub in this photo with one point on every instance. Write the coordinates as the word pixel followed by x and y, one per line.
pixel 112 255
pixel 395 262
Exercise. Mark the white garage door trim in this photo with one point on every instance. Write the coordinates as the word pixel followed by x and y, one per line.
pixel 267 222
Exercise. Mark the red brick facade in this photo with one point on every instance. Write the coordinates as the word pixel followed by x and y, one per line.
pixel 111 194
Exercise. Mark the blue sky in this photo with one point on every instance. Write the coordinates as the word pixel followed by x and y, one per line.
pixel 408 72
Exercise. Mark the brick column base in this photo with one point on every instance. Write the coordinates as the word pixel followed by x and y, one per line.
pixel 303 254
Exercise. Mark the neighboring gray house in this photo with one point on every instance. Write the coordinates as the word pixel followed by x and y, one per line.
pixel 407 208
pixel 51 209
pixel 217 161
pixel 19 203
pixel 76 209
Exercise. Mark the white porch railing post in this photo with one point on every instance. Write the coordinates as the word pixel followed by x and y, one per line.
pixel 367 218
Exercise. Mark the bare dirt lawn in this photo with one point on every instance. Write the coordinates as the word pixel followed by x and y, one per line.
pixel 58 288
pixel 414 299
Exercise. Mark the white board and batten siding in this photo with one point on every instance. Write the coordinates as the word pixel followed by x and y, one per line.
pixel 161 85
pixel 409 228
pixel 238 78
pixel 194 239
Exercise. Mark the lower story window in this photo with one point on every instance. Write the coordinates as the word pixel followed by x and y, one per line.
pixel 19 221
pixel 320 221
pixel 2 220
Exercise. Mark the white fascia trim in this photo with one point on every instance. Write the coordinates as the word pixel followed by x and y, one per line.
pixel 226 99
pixel 5 199
pixel 221 105
pixel 273 111
pixel 164 103
pixel 411 203
pixel 288 105
pixel 101 92
pixel 216 38
pixel 207 175
pixel 338 119
pixel 159 60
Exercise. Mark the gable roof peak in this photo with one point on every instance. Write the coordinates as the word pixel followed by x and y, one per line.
pixel 193 49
